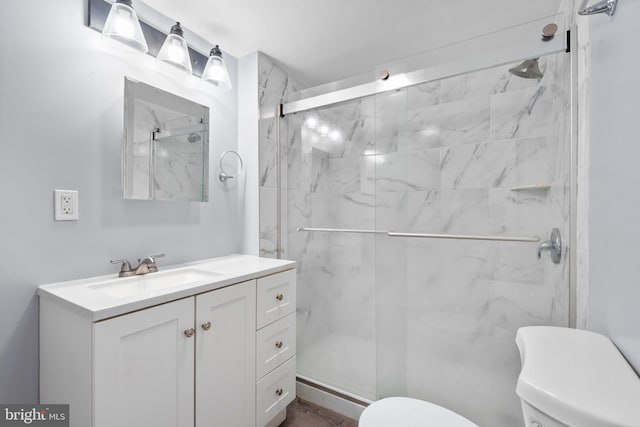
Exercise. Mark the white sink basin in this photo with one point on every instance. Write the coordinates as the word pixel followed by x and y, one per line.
pixel 154 283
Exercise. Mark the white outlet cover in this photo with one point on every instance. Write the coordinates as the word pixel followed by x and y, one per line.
pixel 65 205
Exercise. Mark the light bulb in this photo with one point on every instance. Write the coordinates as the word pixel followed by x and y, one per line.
pixel 324 130
pixel 215 72
pixel 335 136
pixel 122 25
pixel 175 50
pixel 311 122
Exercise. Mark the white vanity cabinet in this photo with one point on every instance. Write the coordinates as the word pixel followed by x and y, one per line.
pixel 225 356
pixel 143 368
pixel 189 361
pixel 275 348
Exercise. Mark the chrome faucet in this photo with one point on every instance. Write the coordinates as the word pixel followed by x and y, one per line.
pixel 146 265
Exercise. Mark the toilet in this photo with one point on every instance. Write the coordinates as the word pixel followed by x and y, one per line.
pixel 569 378
pixel 575 378
pixel 408 412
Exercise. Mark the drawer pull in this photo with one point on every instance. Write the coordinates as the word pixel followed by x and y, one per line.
pixel 279 392
pixel 279 297
pixel 206 326
pixel 189 332
pixel 279 344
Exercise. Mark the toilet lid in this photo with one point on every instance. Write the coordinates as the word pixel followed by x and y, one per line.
pixel 408 412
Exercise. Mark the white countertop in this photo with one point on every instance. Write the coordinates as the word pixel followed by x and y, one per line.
pixel 97 305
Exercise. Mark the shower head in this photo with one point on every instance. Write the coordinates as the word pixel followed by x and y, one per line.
pixel 193 138
pixel 529 69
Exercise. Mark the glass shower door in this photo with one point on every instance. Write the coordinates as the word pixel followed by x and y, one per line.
pixel 331 217
pixel 484 153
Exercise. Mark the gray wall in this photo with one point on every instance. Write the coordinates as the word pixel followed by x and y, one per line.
pixel 248 116
pixel 614 268
pixel 61 109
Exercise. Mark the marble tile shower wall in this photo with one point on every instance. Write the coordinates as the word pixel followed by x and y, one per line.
pixel 431 319
pixel 274 86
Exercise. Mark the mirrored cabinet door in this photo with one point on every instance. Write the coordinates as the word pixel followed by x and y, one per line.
pixel 166 145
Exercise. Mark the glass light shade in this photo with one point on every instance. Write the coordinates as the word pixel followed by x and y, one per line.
pixel 122 25
pixel 174 51
pixel 216 72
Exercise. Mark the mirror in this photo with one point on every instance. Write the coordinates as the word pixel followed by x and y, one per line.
pixel 166 145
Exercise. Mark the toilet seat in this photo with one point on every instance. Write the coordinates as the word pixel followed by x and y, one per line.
pixel 408 412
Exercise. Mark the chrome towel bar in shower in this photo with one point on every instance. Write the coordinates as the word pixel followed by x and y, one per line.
pixel 425 235
pixel 342 230
pixel 465 237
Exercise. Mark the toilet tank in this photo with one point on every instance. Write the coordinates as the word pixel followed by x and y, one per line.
pixel 575 378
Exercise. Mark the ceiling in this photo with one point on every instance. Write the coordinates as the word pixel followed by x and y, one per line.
pixel 327 40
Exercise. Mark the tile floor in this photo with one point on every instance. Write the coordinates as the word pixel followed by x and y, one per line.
pixel 305 414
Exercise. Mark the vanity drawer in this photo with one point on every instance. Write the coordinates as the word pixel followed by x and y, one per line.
pixel 275 391
pixel 275 344
pixel 276 297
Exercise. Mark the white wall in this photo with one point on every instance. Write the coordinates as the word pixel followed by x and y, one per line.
pixel 61 112
pixel 614 229
pixel 248 116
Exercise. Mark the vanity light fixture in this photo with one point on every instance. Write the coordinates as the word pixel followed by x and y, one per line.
pixel 122 25
pixel 175 51
pixel 215 71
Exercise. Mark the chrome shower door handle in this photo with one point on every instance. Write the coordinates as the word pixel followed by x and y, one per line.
pixel 553 245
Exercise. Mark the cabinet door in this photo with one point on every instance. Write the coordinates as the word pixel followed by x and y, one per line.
pixel 143 368
pixel 225 356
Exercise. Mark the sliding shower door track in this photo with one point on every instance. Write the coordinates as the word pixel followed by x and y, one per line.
pixel 337 393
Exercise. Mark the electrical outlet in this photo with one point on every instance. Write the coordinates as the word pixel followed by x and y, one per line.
pixel 66 205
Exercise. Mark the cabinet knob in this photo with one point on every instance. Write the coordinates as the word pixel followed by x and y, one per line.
pixel 279 344
pixel 279 297
pixel 279 392
pixel 189 332
pixel 206 326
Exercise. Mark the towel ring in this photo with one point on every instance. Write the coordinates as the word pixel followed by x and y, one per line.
pixel 223 176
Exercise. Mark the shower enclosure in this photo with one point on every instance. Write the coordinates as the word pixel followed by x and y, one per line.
pixel 415 204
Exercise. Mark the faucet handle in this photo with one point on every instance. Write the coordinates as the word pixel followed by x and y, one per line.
pixel 149 263
pixel 553 245
pixel 125 269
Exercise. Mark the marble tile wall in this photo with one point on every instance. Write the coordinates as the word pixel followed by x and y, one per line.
pixel 274 84
pixel 425 318
pixel 465 300
pixel 584 138
pixel 179 172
